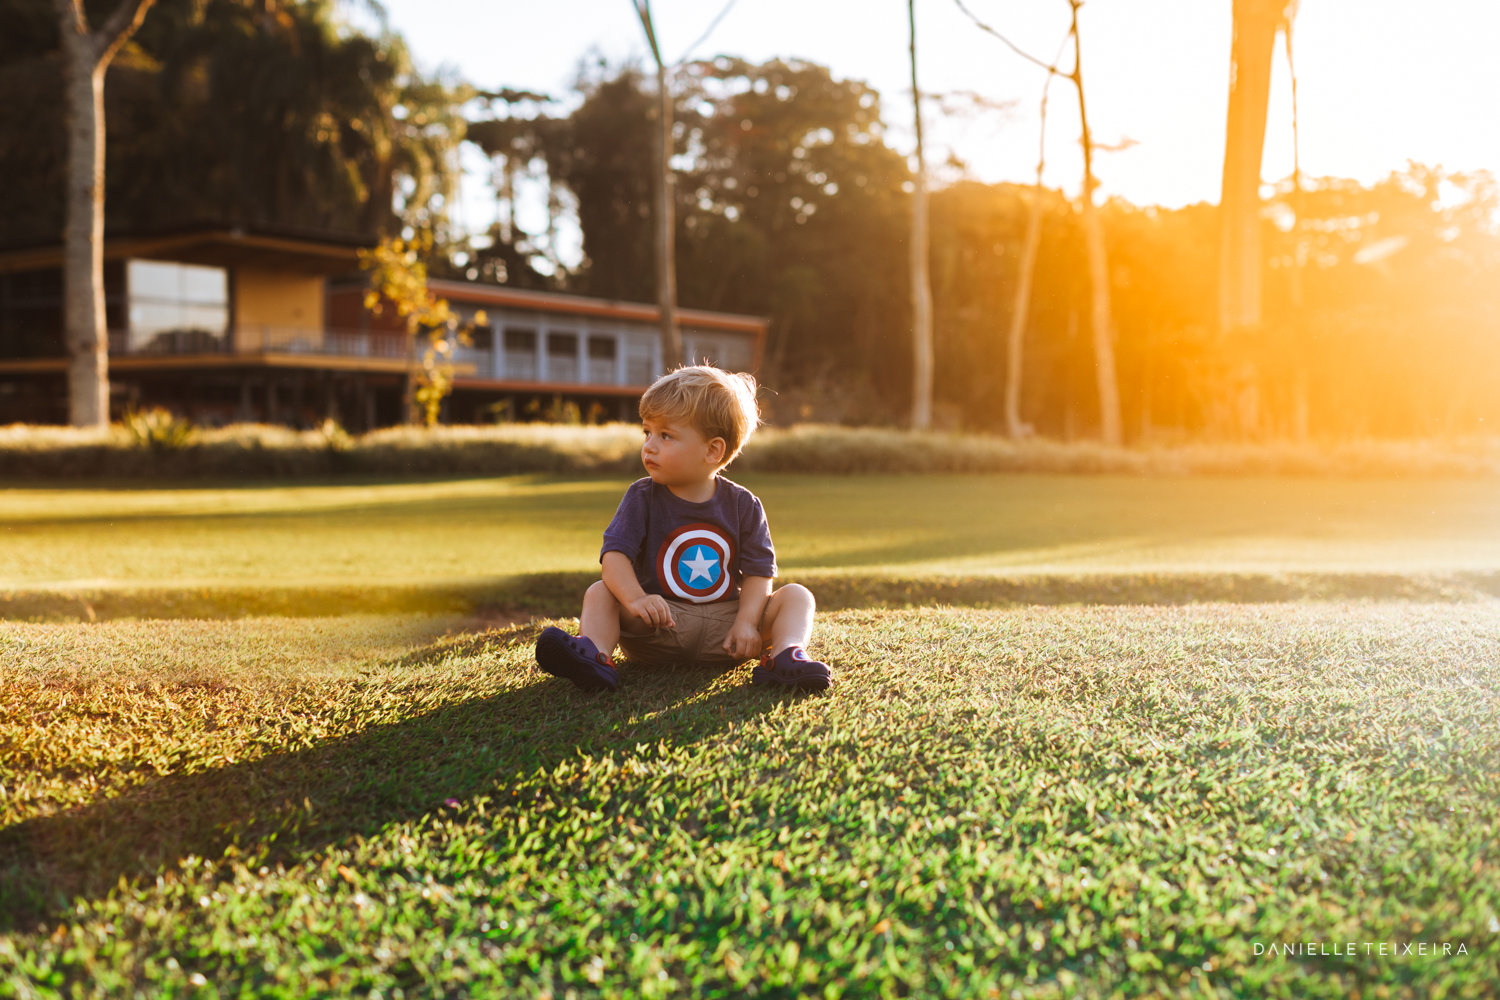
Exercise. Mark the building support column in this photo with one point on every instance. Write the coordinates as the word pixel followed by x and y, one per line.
pixel 297 381
pixel 330 399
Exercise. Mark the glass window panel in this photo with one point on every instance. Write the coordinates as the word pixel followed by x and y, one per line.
pixel 562 343
pixel 152 317
pixel 209 319
pixel 602 348
pixel 638 367
pixel 204 285
pixel 520 355
pixel 151 279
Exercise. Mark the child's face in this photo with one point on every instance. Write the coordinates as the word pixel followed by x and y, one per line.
pixel 676 454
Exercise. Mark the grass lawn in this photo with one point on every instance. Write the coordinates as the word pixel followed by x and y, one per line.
pixel 470 532
pixel 991 803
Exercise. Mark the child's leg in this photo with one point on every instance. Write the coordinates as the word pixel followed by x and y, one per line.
pixel 603 617
pixel 788 623
pixel 788 619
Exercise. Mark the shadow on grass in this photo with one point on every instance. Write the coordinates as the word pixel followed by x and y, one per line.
pixel 561 594
pixel 287 806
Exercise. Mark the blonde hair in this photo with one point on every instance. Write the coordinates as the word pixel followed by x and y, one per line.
pixel 715 402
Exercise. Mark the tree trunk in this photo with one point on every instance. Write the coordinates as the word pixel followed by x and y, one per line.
pixel 666 232
pixel 1018 315
pixel 86 57
pixel 921 288
pixel 1255 23
pixel 1100 315
pixel 84 328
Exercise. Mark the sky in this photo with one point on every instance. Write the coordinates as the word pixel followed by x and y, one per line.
pixel 1380 82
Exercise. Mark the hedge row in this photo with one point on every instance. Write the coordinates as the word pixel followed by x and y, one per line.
pixel 252 451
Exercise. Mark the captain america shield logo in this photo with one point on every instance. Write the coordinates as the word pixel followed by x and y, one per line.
pixel 694 564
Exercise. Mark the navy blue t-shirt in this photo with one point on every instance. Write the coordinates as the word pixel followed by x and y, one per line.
pixel 693 552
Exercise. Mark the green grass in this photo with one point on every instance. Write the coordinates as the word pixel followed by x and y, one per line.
pixel 991 803
pixel 457 538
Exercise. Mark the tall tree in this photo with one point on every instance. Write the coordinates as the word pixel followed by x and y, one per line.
pixel 666 198
pixel 271 114
pixel 921 283
pixel 789 204
pixel 1021 307
pixel 87 54
pixel 1100 315
pixel 1240 257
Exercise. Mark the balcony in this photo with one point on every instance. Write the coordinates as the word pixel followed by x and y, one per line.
pixel 264 340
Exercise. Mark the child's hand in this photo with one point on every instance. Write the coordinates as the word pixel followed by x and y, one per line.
pixel 742 641
pixel 654 610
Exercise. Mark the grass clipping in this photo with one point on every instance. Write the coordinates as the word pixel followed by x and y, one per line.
pixel 164 449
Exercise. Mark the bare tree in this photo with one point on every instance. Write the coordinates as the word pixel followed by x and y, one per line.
pixel 666 203
pixel 666 185
pixel 1100 315
pixel 1102 318
pixel 1255 24
pixel 1021 307
pixel 921 286
pixel 1300 402
pixel 86 57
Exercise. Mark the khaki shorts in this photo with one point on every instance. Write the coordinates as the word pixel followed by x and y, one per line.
pixel 697 639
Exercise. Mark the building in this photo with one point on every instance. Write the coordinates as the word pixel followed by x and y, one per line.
pixel 223 325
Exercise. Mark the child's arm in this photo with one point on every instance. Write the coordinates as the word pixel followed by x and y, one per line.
pixel 744 635
pixel 619 577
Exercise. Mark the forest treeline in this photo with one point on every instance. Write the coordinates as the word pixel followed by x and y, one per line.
pixel 1381 319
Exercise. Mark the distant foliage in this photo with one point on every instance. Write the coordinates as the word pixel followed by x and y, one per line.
pixel 158 429
pixel 1378 321
pixel 789 204
pixel 259 451
pixel 276 114
pixel 398 280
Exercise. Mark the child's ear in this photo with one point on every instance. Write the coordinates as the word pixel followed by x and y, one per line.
pixel 716 448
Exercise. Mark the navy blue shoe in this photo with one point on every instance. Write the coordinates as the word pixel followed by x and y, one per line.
pixel 793 668
pixel 577 659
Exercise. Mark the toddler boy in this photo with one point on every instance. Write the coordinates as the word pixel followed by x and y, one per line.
pixel 688 561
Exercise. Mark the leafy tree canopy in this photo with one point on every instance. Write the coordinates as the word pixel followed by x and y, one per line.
pixel 789 202
pixel 274 113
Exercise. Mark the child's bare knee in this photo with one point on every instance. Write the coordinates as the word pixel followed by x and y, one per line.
pixel 597 591
pixel 798 594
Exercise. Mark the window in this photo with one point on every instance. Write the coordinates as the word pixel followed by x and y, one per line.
pixel 602 360
pixel 482 338
pixel 640 368
pixel 562 357
pixel 520 354
pixel 176 307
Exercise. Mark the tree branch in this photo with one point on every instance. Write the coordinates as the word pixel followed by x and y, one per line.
pixel 71 18
pixel 708 31
pixel 643 11
pixel 1051 69
pixel 120 26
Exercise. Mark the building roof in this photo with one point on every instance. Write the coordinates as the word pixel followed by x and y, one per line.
pixel 474 293
pixel 225 246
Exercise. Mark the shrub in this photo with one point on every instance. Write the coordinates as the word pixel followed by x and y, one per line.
pixel 155 447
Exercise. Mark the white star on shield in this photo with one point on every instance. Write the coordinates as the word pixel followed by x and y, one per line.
pixel 699 565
